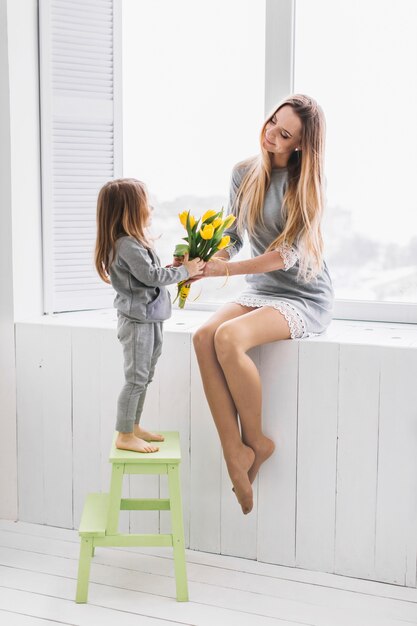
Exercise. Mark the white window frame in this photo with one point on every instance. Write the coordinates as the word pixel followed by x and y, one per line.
pixel 279 82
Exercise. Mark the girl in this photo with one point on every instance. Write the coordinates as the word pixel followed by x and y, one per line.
pixel 278 197
pixel 125 257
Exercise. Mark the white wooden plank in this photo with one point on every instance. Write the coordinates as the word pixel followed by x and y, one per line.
pixel 111 383
pixel 150 574
pixel 19 619
pixel 174 406
pixel 238 531
pixel 86 415
pixel 124 589
pixel 277 477
pixel 57 407
pixel 206 459
pixel 61 542
pixel 396 538
pixel 47 610
pixel 30 440
pixel 357 460
pixel 316 460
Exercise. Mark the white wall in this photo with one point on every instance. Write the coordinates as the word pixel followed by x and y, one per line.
pixel 20 234
pixel 340 493
pixel 8 503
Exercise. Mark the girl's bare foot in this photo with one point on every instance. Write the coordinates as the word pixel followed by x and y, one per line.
pixel 146 435
pixel 238 465
pixel 263 450
pixel 129 441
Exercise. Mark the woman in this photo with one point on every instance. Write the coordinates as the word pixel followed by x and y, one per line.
pixel 278 198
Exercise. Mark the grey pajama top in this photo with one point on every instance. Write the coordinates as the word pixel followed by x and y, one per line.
pixel 307 307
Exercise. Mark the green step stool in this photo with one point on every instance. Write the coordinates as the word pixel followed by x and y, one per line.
pixel 100 517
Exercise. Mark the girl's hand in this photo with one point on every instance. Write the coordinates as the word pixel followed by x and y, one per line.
pixel 215 267
pixel 194 267
pixel 177 261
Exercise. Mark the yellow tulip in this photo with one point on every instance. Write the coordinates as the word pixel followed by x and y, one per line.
pixel 207 232
pixel 207 215
pixel 223 242
pixel 229 221
pixel 217 222
pixel 183 294
pixel 183 219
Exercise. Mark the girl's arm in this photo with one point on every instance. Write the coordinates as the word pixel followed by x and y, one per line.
pixel 136 259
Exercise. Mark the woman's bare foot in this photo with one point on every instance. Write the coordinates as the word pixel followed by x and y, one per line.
pixel 146 435
pixel 263 450
pixel 129 441
pixel 238 465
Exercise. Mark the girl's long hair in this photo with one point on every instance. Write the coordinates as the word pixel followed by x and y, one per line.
pixel 304 199
pixel 122 209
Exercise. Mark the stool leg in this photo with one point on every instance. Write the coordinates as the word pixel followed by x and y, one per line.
pixel 114 499
pixel 177 533
pixel 86 549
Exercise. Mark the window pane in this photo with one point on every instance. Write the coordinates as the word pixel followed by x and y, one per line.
pixel 193 106
pixel 358 59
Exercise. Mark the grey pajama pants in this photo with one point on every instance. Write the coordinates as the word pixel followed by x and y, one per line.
pixel 142 346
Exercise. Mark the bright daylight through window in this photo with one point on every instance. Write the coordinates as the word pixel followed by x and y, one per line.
pixel 193 106
pixel 362 71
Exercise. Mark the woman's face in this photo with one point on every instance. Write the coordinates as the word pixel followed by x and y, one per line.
pixel 282 134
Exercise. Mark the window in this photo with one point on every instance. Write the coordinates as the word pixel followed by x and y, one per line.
pixel 193 106
pixel 358 59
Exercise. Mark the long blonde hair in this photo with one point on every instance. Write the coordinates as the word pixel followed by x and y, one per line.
pixel 304 199
pixel 122 209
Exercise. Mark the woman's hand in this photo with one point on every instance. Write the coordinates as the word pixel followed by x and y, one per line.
pixel 215 267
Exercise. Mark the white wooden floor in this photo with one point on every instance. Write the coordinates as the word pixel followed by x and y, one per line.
pixel 128 587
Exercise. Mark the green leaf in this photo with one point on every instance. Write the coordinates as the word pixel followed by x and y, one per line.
pixel 180 249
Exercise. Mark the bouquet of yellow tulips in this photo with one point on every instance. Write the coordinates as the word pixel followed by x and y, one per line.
pixel 204 238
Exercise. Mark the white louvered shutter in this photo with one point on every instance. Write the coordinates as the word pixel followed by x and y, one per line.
pixel 81 142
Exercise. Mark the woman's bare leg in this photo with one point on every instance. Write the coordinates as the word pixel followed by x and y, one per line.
pixel 232 340
pixel 238 456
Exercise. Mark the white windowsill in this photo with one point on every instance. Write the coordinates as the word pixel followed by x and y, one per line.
pixel 339 331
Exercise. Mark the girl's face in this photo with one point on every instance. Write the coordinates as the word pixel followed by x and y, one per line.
pixel 282 133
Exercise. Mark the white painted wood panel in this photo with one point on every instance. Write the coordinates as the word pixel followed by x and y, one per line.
pixel 174 414
pixel 111 382
pixel 86 415
pixel 277 477
pixel 316 459
pixel 30 441
pixel 357 459
pixel 396 515
pixel 57 433
pixel 206 460
pixel 350 427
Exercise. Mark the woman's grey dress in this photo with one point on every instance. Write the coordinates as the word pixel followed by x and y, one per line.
pixel 307 307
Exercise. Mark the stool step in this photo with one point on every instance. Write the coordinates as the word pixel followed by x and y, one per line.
pixel 169 451
pixel 94 516
pixel 144 504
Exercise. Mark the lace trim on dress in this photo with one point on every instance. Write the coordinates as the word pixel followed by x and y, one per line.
pixel 289 255
pixel 293 317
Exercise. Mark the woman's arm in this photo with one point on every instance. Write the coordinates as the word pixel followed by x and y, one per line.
pixel 267 262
